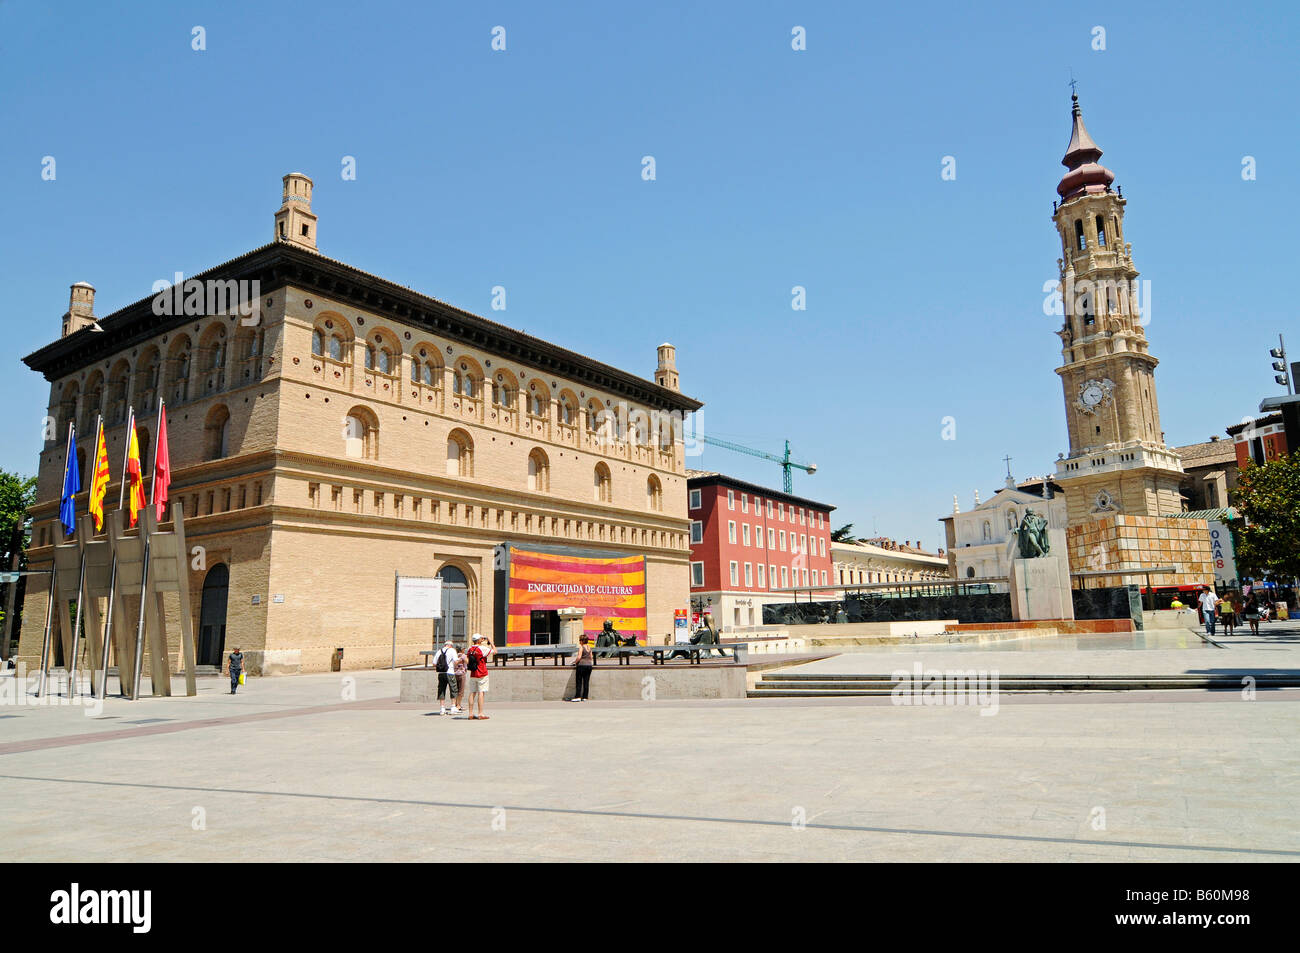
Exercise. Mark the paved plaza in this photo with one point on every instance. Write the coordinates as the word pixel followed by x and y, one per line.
pixel 331 767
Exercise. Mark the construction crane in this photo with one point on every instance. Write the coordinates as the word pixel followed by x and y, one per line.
pixel 785 461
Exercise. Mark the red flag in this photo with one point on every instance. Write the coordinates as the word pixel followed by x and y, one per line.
pixel 162 467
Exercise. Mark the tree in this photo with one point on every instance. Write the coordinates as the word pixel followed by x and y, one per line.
pixel 1268 496
pixel 844 534
pixel 17 494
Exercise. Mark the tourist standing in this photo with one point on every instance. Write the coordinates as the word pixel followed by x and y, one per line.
pixel 462 680
pixel 480 651
pixel 582 668
pixel 236 668
pixel 445 664
pixel 1209 603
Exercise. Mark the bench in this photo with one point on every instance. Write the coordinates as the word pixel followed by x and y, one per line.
pixel 662 654
pixel 531 653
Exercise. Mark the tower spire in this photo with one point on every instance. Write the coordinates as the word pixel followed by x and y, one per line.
pixel 1085 176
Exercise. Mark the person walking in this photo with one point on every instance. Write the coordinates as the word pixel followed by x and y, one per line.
pixel 236 668
pixel 582 666
pixel 445 664
pixel 1228 613
pixel 1252 613
pixel 480 651
pixel 1209 603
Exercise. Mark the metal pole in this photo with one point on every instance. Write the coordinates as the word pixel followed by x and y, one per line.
pixel 112 579
pixel 49 621
pixel 1290 384
pixel 396 577
pixel 81 579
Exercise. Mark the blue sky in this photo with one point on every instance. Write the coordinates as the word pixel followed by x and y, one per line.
pixel 775 168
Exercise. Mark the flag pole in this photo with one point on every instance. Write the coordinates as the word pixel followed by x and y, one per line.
pixel 112 579
pixel 54 574
pixel 144 569
pixel 81 580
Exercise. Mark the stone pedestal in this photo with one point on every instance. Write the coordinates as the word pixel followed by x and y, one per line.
pixel 571 620
pixel 1040 588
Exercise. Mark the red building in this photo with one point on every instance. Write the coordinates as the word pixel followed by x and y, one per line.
pixel 1260 440
pixel 749 543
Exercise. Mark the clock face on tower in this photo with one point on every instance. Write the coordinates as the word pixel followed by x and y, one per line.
pixel 1093 394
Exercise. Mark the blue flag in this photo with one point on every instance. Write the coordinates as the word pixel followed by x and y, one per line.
pixel 71 485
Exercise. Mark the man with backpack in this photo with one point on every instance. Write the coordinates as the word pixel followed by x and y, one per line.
pixel 480 650
pixel 445 664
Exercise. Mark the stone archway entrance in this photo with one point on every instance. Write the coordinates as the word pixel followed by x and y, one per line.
pixel 455 606
pixel 212 615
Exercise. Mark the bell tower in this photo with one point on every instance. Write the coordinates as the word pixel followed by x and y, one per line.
pixel 1118 462
pixel 294 222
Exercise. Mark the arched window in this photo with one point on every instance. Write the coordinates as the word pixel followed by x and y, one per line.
pixel 212 358
pixel 455 606
pixel 466 381
pixel 361 434
pixel 654 493
pixel 1079 236
pixel 115 412
pixel 90 404
pixel 215 432
pixel 537 400
pixel 146 380
pixel 460 454
pixel 539 471
pixel 1101 232
pixel 318 343
pixel 604 490
pixel 248 351
pixel 67 407
pixel 568 410
pixel 595 416
pixel 178 370
pixel 505 392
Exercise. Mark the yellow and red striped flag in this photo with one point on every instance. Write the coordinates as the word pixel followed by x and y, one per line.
pixel 135 492
pixel 99 482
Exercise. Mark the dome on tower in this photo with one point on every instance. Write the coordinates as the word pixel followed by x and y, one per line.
pixel 1085 175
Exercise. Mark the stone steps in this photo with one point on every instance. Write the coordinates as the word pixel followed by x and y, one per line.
pixel 790 685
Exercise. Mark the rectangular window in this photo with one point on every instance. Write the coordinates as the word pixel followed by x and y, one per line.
pixel 697 574
pixel 805 577
pixel 695 499
pixel 731 531
pixel 784 579
pixel 821 521
pixel 780 511
pixel 821 545
pixel 769 509
pixel 771 538
pixel 781 539
pixel 758 535
pixel 744 534
pixel 735 573
pixel 697 531
pixel 749 575
pixel 771 573
pixel 744 502
pixel 803 544
pixel 731 499
pixel 762 583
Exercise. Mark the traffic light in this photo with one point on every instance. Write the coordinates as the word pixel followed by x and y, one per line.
pixel 1280 365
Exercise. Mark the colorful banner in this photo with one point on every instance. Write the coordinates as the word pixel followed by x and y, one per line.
pixel 608 587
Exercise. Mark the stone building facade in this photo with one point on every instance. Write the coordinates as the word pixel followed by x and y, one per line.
pixel 345 429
